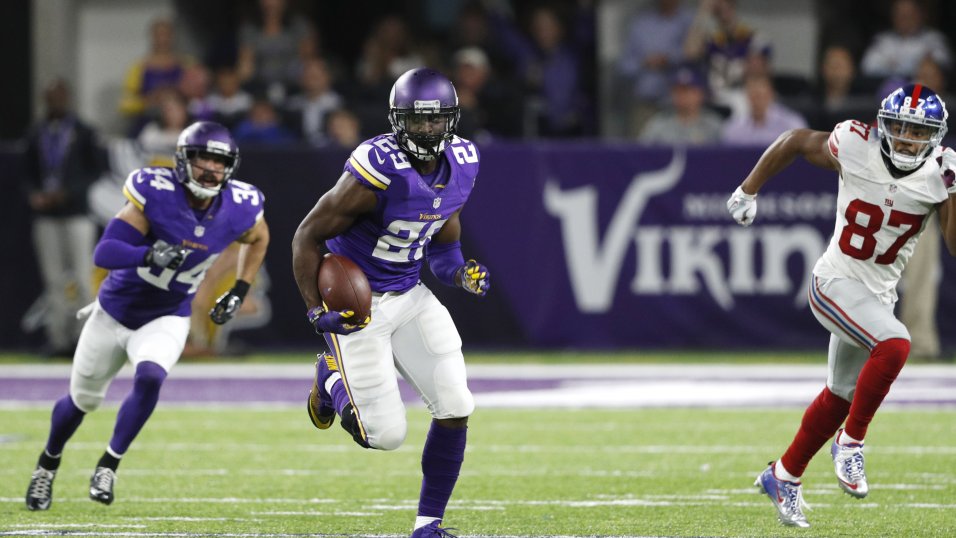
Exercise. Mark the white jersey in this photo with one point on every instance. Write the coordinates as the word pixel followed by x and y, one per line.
pixel 879 217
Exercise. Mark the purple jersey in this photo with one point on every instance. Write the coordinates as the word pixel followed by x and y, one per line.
pixel 388 244
pixel 137 295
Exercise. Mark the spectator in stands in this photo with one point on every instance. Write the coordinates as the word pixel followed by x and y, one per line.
pixel 651 54
pixel 307 111
pixel 372 78
pixel 62 161
pixel 344 130
pixel 688 122
pixel 145 80
pixel 729 54
pixel 549 69
pixel 387 52
pixel 931 73
pixel 838 95
pixel 922 275
pixel 396 44
pixel 262 125
pixel 230 103
pixel 158 137
pixel 194 87
pixel 765 118
pixel 271 46
pixel 474 29
pixel 897 52
pixel 489 107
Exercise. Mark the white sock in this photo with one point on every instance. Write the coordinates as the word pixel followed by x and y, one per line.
pixel 421 521
pixel 843 439
pixel 782 473
pixel 331 381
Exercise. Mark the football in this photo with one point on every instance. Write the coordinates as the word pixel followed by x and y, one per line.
pixel 344 287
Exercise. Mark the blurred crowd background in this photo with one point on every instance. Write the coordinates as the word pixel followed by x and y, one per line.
pixel 124 78
pixel 655 71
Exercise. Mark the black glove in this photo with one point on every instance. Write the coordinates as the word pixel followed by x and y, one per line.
pixel 228 303
pixel 165 256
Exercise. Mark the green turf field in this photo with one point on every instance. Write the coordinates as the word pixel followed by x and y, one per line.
pixel 656 472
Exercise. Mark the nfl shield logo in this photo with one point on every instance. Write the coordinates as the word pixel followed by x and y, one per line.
pixel 437 202
pixel 199 231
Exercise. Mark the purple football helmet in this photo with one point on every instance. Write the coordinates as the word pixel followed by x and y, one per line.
pixel 211 139
pixel 423 111
pixel 913 115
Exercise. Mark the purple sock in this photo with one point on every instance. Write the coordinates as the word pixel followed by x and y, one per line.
pixel 64 422
pixel 441 461
pixel 340 397
pixel 138 406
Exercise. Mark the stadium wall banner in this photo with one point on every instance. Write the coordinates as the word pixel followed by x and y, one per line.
pixel 591 246
pixel 605 247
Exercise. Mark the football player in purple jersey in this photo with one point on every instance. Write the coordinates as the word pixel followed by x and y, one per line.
pixel 396 206
pixel 157 249
pixel 891 180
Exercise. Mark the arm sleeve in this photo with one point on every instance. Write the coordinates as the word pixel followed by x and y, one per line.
pixel 121 246
pixel 445 259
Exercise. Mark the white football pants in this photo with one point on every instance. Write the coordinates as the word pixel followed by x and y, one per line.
pixel 413 333
pixel 105 345
pixel 857 321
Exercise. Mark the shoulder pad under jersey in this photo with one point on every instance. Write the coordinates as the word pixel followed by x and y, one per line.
pixel 248 200
pixel 149 184
pixel 851 143
pixel 377 161
pixel 464 154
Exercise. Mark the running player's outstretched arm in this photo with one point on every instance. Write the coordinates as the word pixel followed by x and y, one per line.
pixel 448 264
pixel 252 250
pixel 814 146
pixel 809 144
pixel 947 209
pixel 335 211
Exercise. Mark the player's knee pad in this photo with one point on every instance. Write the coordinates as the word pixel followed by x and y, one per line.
pixel 457 403
pixel 843 390
pixel 389 438
pixel 86 400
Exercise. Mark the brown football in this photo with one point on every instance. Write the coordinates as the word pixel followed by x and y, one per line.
pixel 344 287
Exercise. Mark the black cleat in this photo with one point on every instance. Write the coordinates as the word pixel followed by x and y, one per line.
pixel 101 485
pixel 40 492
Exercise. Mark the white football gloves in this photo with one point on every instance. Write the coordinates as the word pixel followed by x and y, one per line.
pixel 742 207
pixel 947 168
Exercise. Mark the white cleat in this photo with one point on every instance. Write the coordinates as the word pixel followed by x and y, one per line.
pixel 787 498
pixel 848 465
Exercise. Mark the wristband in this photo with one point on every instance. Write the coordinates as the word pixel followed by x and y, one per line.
pixel 445 259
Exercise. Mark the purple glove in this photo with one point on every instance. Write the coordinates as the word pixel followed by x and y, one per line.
pixel 475 278
pixel 334 321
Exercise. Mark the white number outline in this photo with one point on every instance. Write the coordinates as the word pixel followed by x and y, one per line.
pixel 411 246
pixel 465 153
pixel 193 276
